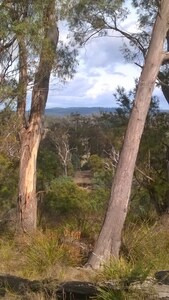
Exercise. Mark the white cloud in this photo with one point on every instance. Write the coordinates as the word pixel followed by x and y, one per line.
pixel 108 82
pixel 101 70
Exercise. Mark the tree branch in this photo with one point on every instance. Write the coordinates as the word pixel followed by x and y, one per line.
pixel 7 45
pixel 165 58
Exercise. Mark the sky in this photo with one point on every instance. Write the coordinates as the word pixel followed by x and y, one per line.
pixel 102 68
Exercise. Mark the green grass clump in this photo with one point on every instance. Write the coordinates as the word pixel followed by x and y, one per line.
pixel 125 295
pixel 54 253
pixel 8 254
pixel 148 246
pixel 44 253
pixel 110 295
pixel 123 270
pixel 146 251
pixel 41 255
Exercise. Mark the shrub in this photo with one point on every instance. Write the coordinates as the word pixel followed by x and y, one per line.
pixel 79 208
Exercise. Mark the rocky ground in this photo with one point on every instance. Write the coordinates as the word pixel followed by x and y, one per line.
pixel 20 288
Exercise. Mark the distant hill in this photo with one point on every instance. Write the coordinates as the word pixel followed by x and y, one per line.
pixel 60 111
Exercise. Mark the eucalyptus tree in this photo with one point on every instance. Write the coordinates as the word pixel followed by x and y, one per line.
pixel 109 240
pixel 98 18
pixel 30 50
pixel 90 19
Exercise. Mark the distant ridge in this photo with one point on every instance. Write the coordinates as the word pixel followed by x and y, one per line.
pixel 60 111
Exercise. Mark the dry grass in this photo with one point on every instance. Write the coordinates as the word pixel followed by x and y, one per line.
pixel 148 246
pixel 50 255
pixel 43 255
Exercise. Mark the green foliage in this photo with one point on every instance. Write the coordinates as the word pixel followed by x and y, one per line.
pixel 123 273
pixel 95 137
pixel 147 12
pixel 66 62
pixel 9 154
pixel 9 125
pixel 120 294
pixel 145 252
pixel 6 251
pixel 8 182
pixel 141 208
pixel 48 167
pixel 125 102
pixel 39 255
pixel 25 22
pixel 123 270
pixel 96 163
pixel 42 252
pixel 103 179
pixel 90 17
pixel 152 184
pixel 73 207
pixel 102 175
pixel 147 245
pixel 65 197
pixel 106 294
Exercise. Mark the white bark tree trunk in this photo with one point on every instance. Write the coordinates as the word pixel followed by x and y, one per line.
pixel 109 240
pixel 31 132
pixel 27 203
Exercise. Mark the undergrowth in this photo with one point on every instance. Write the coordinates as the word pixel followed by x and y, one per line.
pixel 146 251
pixel 125 295
pixel 147 246
pixel 50 254
pixel 38 256
pixel 142 254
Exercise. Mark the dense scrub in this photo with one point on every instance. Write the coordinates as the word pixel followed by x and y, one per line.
pixel 71 211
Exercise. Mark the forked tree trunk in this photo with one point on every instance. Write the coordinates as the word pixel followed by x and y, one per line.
pixel 109 240
pixel 31 133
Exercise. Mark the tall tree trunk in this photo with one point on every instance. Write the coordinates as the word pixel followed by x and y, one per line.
pixel 23 75
pixel 27 204
pixel 31 134
pixel 109 240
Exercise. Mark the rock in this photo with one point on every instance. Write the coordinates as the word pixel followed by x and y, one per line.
pixel 81 290
pixel 162 276
pixel 162 291
pixel 23 286
pixel 78 289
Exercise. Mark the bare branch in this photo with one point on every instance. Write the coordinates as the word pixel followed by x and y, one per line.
pixel 144 174
pixel 7 45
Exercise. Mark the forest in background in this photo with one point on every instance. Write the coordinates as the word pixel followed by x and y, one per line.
pixel 51 217
pixel 71 209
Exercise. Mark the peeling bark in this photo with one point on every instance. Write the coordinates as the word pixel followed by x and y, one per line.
pixel 27 203
pixel 31 134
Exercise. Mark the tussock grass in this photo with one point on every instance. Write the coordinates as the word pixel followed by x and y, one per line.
pixel 49 254
pixel 147 246
pixel 46 255
pixel 122 270
pixel 145 251
pixel 124 295
pixel 38 256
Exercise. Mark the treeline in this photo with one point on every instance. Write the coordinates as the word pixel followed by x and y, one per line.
pixel 77 143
